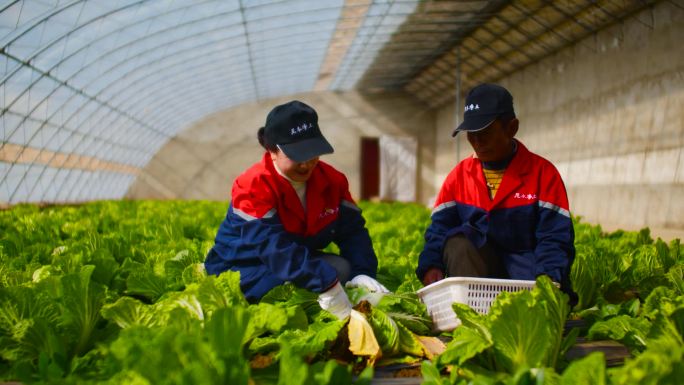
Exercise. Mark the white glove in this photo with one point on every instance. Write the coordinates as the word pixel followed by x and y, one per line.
pixel 335 300
pixel 369 283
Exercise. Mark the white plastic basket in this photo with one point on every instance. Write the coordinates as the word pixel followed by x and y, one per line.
pixel 478 293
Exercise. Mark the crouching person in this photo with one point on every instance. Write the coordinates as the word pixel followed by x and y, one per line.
pixel 288 207
pixel 503 212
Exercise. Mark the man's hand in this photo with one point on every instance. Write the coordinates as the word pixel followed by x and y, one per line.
pixel 432 275
pixel 369 283
pixel 335 301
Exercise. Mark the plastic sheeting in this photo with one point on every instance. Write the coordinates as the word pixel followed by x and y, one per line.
pixel 398 161
pixel 89 87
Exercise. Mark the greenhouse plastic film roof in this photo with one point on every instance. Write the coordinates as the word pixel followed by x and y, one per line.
pixel 92 89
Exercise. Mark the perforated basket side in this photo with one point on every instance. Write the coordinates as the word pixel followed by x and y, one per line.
pixel 481 295
pixel 439 307
pixel 439 303
pixel 478 293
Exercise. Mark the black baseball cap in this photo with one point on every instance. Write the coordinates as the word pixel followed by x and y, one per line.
pixel 483 105
pixel 293 128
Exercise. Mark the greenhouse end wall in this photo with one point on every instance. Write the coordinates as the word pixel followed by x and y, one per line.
pixel 204 159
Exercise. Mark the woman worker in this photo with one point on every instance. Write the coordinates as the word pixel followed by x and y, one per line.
pixel 288 207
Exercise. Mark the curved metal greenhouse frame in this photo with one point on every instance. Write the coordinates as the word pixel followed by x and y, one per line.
pixel 92 89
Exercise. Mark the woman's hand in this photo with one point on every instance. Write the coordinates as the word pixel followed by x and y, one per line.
pixel 335 301
pixel 367 282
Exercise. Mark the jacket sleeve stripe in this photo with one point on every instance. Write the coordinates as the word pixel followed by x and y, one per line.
pixel 248 217
pixel 443 206
pixel 350 205
pixel 551 206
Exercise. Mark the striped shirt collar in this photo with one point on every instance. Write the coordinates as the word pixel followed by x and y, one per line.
pixel 501 164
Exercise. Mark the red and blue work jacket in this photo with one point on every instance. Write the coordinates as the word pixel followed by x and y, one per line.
pixel 270 239
pixel 527 223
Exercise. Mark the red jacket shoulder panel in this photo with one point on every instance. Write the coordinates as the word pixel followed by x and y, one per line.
pixel 554 191
pixel 261 189
pixel 527 179
pixel 338 180
pixel 253 191
pixel 465 184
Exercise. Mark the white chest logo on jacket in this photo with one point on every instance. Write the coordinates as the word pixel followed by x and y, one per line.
pixel 525 196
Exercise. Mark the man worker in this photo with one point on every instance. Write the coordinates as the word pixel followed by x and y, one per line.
pixel 502 212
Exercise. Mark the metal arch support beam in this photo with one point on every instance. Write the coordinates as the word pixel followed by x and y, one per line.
pixel 32 155
pixel 549 29
pixel 343 72
pixel 165 100
pixel 486 46
pixel 78 187
pixel 134 83
pixel 130 43
pixel 21 32
pixel 147 79
pixel 76 92
pixel 250 56
pixel 617 19
pixel 680 6
pixel 488 11
pixel 193 4
pixel 84 137
pixel 70 192
pixel 340 43
pixel 72 88
pixel 158 60
pixel 52 155
pixel 595 29
pixel 118 30
pixel 458 85
pixel 199 90
pixel 517 28
pixel 534 38
pixel 72 131
pixel 531 39
pixel 571 17
pixel 9 4
pixel 191 92
pixel 26 63
pixel 502 38
pixel 79 92
pixel 587 28
pixel 476 54
pixel 145 66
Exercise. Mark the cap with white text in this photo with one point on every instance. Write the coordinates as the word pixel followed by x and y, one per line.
pixel 483 105
pixel 293 128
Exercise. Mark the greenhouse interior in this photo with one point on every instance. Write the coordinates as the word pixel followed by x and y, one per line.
pixel 279 192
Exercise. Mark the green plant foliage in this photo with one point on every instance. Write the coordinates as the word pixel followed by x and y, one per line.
pixel 630 331
pixel 522 330
pixel 590 370
pixel 621 265
pixel 116 293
